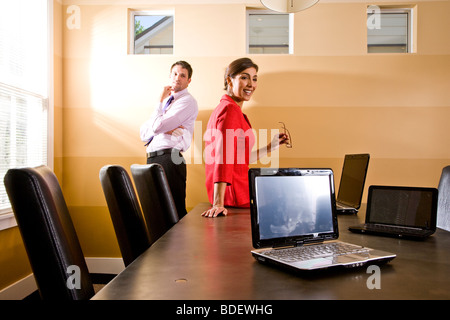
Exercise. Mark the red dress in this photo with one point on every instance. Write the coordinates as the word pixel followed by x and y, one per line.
pixel 229 139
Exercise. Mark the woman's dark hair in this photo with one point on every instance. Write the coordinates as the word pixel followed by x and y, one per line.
pixel 236 67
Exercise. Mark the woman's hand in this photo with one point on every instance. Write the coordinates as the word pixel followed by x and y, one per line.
pixel 214 211
pixel 278 139
pixel 218 207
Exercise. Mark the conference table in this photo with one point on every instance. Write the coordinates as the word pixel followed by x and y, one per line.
pixel 209 259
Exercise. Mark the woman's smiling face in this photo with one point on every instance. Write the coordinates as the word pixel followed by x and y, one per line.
pixel 242 86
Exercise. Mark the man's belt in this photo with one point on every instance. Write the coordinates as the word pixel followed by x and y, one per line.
pixel 162 152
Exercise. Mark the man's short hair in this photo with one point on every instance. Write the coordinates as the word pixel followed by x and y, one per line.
pixel 184 65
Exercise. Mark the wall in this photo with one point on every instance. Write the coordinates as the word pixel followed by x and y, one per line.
pixel 334 98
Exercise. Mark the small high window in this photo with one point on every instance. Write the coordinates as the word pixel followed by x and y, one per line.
pixel 389 30
pixel 269 33
pixel 151 32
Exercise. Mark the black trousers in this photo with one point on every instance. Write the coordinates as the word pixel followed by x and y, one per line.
pixel 176 176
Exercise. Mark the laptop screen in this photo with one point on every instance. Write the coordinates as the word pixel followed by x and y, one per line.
pixel 292 204
pixel 353 177
pixel 402 206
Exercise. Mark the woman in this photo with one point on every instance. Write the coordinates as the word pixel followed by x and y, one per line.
pixel 229 140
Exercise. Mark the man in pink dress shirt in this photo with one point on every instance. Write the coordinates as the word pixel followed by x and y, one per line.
pixel 169 130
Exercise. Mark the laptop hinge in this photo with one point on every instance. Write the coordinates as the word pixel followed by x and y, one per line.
pixel 309 241
pixel 283 246
pixel 298 243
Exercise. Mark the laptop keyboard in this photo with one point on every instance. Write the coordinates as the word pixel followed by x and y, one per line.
pixel 315 251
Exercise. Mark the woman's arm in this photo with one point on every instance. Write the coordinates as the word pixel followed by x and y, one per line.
pixel 278 139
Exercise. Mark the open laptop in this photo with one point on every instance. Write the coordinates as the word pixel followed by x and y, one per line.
pixel 293 212
pixel 408 212
pixel 351 186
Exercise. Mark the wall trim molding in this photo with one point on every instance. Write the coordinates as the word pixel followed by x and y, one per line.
pixel 20 289
pixel 105 265
pixel 7 220
pixel 26 286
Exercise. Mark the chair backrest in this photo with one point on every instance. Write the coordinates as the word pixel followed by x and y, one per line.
pixel 48 234
pixel 156 198
pixel 126 213
pixel 443 214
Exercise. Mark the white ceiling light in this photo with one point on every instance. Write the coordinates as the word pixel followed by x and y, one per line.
pixel 288 6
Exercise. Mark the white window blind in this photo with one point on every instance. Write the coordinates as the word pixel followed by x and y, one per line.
pixel 269 33
pixel 392 34
pixel 24 78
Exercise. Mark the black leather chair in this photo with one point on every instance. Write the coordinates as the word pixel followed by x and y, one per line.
pixel 443 214
pixel 126 213
pixel 156 199
pixel 48 234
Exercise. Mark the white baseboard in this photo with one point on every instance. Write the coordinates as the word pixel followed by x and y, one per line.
pixel 27 285
pixel 19 289
pixel 7 220
pixel 105 265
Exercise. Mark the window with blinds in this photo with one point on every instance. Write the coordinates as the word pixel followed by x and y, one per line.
pixel 24 78
pixel 268 32
pixel 389 31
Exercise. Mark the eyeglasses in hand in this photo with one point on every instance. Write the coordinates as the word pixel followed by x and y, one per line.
pixel 286 131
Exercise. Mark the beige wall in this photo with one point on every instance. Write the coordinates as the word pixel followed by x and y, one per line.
pixel 334 98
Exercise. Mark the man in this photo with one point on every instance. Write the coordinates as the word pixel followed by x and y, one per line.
pixel 169 131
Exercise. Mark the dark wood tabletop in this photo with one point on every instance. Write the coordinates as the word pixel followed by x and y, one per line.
pixel 209 259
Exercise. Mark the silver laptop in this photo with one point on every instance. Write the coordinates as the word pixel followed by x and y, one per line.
pixel 351 186
pixel 404 212
pixel 294 221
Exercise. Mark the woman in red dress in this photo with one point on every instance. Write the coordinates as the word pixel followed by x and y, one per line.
pixel 229 140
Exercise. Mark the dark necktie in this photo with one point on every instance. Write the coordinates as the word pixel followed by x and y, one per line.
pixel 169 101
